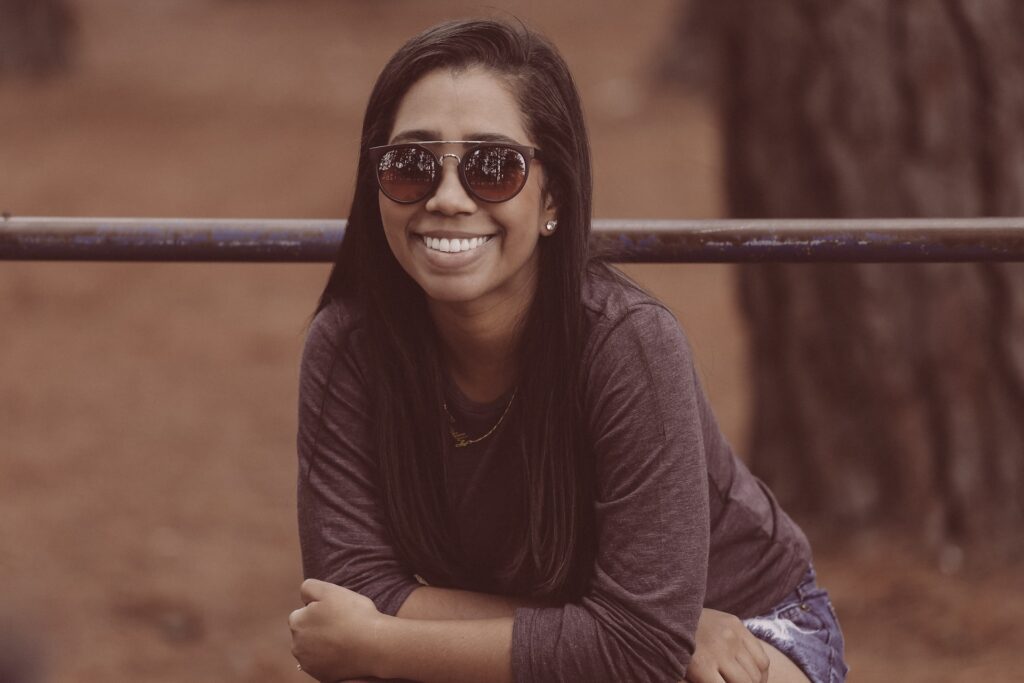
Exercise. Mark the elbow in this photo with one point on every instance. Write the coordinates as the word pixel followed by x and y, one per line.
pixel 658 662
pixel 597 641
pixel 645 652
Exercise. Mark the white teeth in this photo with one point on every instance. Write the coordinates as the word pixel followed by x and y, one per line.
pixel 453 246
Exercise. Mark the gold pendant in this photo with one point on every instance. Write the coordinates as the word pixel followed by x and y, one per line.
pixel 461 439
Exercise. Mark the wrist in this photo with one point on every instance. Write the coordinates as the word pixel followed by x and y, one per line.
pixel 450 649
pixel 378 652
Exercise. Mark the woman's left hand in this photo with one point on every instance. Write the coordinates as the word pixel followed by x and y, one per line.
pixel 333 636
pixel 726 651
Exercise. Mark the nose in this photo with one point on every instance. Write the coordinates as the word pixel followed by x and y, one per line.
pixel 450 198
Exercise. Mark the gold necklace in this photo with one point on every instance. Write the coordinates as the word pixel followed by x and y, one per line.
pixel 461 438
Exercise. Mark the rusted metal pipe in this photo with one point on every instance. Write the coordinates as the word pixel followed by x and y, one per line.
pixel 623 241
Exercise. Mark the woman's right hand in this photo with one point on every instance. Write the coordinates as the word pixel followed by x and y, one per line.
pixel 334 635
pixel 726 651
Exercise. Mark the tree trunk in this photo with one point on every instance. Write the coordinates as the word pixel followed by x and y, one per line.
pixel 35 37
pixel 881 392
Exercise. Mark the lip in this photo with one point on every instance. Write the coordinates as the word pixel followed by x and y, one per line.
pixel 452 234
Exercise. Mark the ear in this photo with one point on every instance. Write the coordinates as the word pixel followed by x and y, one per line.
pixel 550 213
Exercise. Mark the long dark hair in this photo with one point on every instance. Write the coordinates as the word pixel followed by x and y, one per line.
pixel 557 544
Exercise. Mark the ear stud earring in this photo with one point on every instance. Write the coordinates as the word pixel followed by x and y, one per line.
pixel 550 226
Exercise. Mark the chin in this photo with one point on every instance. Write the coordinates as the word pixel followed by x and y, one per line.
pixel 451 292
pixel 451 295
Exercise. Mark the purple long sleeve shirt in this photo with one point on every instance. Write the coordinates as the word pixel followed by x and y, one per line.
pixel 681 522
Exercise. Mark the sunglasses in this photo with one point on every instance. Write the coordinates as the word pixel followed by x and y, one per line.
pixel 489 171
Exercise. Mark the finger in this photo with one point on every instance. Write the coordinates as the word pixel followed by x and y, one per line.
pixel 747 663
pixel 760 657
pixel 701 671
pixel 311 590
pixel 294 617
pixel 734 672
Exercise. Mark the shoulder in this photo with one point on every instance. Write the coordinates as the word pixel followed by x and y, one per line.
pixel 621 313
pixel 337 332
pixel 335 323
pixel 636 357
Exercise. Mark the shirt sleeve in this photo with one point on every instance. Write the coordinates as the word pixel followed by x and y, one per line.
pixel 638 619
pixel 340 507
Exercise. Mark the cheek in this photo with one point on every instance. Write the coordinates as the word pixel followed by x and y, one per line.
pixel 525 218
pixel 521 238
pixel 394 219
pixel 395 236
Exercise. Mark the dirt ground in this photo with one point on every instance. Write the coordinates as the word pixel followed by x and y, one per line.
pixel 147 412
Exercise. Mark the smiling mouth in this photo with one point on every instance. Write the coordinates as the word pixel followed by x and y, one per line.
pixel 454 246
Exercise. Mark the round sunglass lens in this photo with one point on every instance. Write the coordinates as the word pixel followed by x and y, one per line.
pixel 495 174
pixel 406 174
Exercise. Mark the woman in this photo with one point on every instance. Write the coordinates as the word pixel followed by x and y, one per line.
pixel 508 469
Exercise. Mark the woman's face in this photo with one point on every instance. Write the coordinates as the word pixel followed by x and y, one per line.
pixel 472 104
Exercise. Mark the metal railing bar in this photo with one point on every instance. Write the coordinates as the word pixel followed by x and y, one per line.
pixel 620 240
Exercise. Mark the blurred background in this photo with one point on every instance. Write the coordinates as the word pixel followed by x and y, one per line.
pixel 147 411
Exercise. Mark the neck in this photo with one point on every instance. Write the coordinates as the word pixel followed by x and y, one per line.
pixel 480 342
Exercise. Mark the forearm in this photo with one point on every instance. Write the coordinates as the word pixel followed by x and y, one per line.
pixel 451 651
pixel 428 602
pixel 445 634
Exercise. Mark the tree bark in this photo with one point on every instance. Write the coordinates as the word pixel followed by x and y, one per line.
pixel 882 393
pixel 36 37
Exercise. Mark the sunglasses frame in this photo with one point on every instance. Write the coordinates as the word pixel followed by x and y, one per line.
pixel 528 153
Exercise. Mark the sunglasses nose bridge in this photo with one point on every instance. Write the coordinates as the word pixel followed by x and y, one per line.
pixel 446 197
pixel 440 165
pixel 440 159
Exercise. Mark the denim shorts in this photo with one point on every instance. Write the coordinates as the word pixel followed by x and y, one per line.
pixel 804 627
